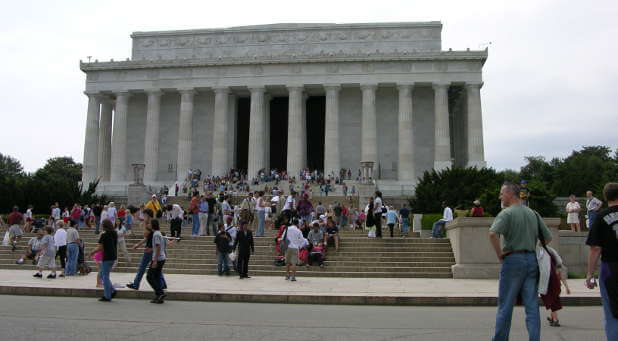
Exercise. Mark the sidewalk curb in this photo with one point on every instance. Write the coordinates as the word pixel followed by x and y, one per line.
pixel 286 299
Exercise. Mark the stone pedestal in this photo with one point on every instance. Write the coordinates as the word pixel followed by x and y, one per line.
pixel 474 256
pixel 417 223
pixel 365 192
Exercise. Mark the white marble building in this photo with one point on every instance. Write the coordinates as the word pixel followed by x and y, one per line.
pixel 284 96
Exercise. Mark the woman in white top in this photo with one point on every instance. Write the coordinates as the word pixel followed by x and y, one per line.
pixel 261 212
pixel 572 210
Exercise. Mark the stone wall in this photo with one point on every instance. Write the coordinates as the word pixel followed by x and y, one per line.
pixel 474 255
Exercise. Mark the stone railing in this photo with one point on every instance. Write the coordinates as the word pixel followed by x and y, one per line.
pixel 474 256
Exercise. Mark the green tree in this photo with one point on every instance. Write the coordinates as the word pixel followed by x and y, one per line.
pixel 458 187
pixel 587 169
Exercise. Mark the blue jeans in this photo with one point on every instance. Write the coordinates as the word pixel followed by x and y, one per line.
pixel 196 224
pixel 438 227
pixel 222 262
pixel 108 288
pixel 611 323
pixel 143 265
pixel 518 277
pixel 73 252
pixel 592 216
pixel 260 227
pixel 405 225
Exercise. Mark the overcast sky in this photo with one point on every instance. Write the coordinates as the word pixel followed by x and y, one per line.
pixel 551 78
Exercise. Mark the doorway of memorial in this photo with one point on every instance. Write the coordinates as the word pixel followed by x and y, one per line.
pixel 316 113
pixel 242 133
pixel 278 133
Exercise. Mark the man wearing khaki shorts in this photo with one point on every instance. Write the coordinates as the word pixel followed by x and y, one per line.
pixel 295 242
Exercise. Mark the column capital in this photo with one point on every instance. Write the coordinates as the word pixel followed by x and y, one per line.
pixel 372 87
pixel 257 89
pixel 221 90
pixel 405 86
pixel 292 87
pixel 440 85
pixel 332 87
pixel 474 85
pixel 153 92
pixel 187 91
pixel 94 94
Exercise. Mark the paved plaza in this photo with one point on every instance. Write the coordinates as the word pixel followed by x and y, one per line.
pixel 411 291
pixel 67 318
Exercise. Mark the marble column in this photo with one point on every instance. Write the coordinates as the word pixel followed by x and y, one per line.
pixel 267 99
pixel 406 134
pixel 233 130
pixel 221 131
pixel 185 134
pixel 369 144
pixel 257 144
pixel 295 102
pixel 105 140
pixel 151 146
pixel 91 144
pixel 331 130
pixel 442 136
pixel 303 132
pixel 119 166
pixel 476 153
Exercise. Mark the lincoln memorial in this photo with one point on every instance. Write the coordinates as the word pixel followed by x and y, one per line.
pixel 284 96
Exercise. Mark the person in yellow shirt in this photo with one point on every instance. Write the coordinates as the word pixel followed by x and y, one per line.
pixel 155 206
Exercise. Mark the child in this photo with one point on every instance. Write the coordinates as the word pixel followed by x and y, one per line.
pixel 121 231
pixel 551 300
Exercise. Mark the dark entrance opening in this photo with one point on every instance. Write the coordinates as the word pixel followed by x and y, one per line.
pixel 316 115
pixel 242 133
pixel 279 133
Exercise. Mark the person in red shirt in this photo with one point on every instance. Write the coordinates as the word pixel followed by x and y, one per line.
pixel 76 214
pixel 15 219
pixel 122 213
pixel 477 210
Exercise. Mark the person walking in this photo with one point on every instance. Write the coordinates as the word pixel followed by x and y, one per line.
pixel 377 213
pixel 147 256
pixel 244 242
pixel 404 216
pixel 47 255
pixel 295 241
pixel 222 241
pixel 72 250
pixel 603 243
pixel 203 207
pixel 155 206
pixel 159 255
pixel 60 238
pixel 520 227
pixel 593 205
pixel 176 214
pixel 194 209
pixel 261 213
pixel 108 245
pixel 391 219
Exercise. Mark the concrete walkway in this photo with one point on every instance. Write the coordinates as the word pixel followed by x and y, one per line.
pixel 400 291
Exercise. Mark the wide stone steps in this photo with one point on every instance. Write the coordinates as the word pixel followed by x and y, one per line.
pixel 358 256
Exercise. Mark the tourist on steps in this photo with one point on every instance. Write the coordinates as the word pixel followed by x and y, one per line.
pixel 147 257
pixel 244 242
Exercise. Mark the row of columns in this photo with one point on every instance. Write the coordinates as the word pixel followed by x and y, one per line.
pixel 105 156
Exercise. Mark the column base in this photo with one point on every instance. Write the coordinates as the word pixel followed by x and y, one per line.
pixel 442 165
pixel 477 164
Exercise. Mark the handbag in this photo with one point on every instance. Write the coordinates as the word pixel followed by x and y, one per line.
pixel 5 241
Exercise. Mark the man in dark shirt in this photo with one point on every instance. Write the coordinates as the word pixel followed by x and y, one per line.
pixel 97 217
pixel 244 241
pixel 404 213
pixel 603 242
pixel 222 240
pixel 212 214
pixel 331 232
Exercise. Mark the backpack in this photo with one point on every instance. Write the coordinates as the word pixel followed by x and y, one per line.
pixel 283 245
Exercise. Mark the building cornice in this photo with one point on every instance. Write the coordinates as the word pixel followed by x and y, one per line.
pixel 288 28
pixel 284 59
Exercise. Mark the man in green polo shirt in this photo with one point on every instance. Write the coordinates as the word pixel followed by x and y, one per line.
pixel 519 226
